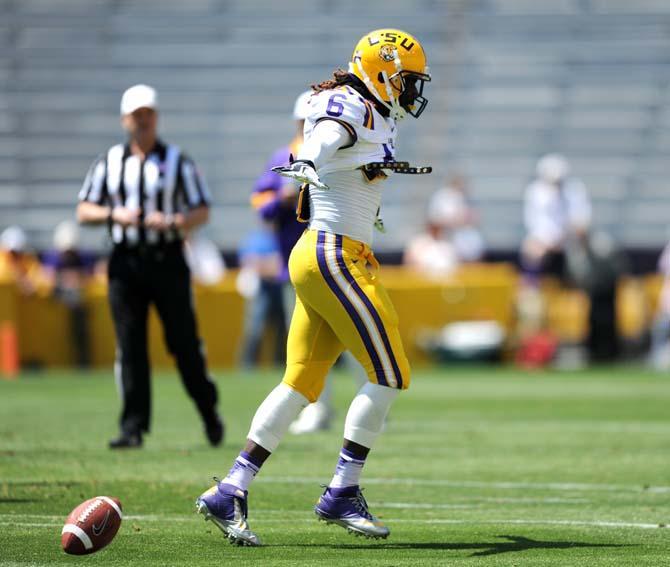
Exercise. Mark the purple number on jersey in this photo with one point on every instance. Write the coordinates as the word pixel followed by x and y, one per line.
pixel 335 108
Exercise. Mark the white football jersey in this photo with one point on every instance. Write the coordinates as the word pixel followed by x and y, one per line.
pixel 349 207
pixel 374 135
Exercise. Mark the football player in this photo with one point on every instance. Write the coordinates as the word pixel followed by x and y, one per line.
pixel 274 198
pixel 349 145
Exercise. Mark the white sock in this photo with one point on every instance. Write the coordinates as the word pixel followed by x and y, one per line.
pixel 367 412
pixel 244 470
pixel 348 470
pixel 274 416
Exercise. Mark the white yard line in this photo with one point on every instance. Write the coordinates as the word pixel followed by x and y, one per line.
pixel 558 486
pixel 421 506
pixel 7 520
pixel 653 427
pixel 30 524
pixel 523 500
pixel 477 503
pixel 588 523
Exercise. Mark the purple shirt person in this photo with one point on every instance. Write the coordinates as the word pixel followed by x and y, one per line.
pixel 68 268
pixel 275 198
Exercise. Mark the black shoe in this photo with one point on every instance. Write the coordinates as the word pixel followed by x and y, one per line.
pixel 126 441
pixel 214 429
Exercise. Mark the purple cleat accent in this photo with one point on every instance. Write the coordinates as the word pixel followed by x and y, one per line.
pixel 347 507
pixel 226 506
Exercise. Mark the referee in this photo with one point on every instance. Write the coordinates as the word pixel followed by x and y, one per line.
pixel 150 195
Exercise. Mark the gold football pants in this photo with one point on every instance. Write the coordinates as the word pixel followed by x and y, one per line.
pixel 340 305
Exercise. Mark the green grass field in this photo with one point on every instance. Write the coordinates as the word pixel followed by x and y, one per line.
pixel 477 467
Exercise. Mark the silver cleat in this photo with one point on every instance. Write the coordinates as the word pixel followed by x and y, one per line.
pixel 228 502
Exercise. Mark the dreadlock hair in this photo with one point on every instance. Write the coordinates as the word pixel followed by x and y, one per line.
pixel 340 78
pixel 343 78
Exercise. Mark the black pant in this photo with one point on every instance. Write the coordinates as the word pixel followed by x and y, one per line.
pixel 603 339
pixel 137 278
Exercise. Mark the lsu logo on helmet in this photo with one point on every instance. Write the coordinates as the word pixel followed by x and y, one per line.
pixel 392 65
pixel 387 52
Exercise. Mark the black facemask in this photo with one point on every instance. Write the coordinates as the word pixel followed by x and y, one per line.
pixel 411 85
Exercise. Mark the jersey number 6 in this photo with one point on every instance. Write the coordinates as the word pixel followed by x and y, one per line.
pixel 335 108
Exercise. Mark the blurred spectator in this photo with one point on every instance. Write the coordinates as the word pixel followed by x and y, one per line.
pixel 20 266
pixel 204 259
pixel 595 264
pixel 451 209
pixel 556 208
pixel 431 253
pixel 274 198
pixel 260 282
pixel 660 330
pixel 67 269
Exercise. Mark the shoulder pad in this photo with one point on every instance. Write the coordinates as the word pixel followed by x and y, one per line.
pixel 342 104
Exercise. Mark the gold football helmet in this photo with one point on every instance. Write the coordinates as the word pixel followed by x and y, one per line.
pixel 392 65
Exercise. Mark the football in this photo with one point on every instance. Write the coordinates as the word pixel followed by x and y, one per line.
pixel 91 526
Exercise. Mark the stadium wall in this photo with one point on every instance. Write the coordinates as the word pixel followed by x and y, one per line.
pixel 475 292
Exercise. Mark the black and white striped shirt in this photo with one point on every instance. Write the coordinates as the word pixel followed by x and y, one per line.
pixel 166 181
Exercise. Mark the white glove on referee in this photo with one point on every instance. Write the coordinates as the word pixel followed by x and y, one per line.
pixel 303 171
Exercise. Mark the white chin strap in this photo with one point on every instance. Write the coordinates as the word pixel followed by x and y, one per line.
pixel 396 111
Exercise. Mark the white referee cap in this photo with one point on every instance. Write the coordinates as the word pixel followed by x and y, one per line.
pixel 66 236
pixel 138 96
pixel 302 108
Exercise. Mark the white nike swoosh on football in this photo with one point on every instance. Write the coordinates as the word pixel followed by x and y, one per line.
pixel 98 530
